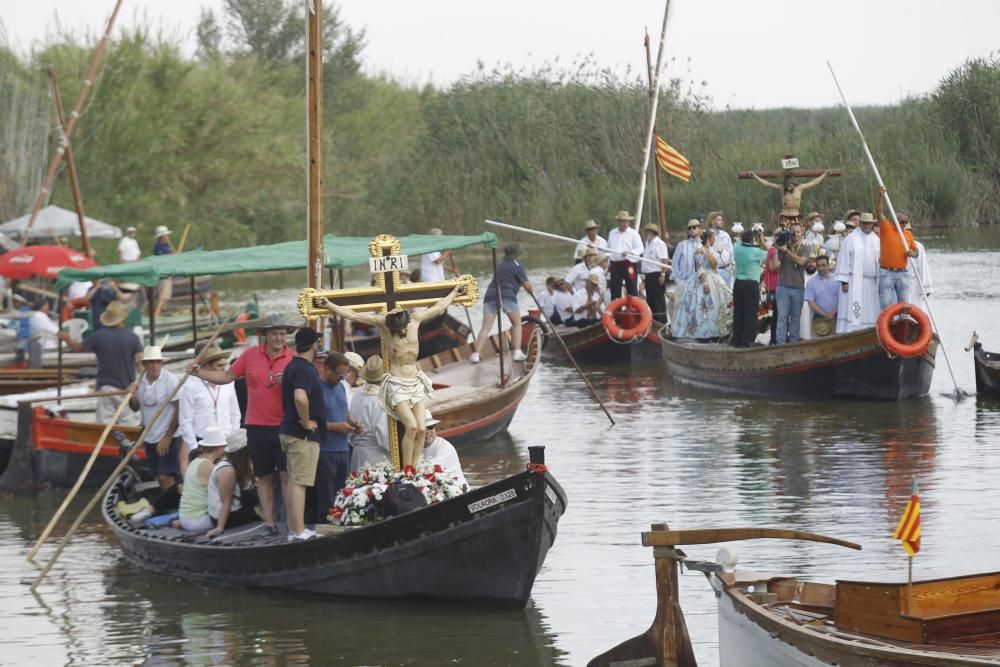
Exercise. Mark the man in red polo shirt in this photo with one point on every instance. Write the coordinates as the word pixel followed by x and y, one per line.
pixel 262 367
pixel 893 278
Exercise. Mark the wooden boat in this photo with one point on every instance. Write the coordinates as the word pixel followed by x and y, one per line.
pixel 469 399
pixel 987 366
pixel 592 344
pixel 776 621
pixel 852 365
pixel 486 546
pixel 436 336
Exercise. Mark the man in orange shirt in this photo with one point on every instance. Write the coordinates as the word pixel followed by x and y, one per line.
pixel 893 279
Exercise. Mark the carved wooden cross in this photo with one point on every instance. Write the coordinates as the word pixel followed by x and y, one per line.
pixel 387 294
pixel 790 172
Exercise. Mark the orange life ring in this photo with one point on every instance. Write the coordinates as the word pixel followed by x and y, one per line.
pixel 241 334
pixel 899 348
pixel 631 310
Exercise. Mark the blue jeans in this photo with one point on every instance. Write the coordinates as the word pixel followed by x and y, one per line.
pixel 893 287
pixel 789 301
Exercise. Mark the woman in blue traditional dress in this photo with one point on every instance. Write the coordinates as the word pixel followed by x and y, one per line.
pixel 704 308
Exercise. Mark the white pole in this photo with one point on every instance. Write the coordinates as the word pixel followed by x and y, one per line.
pixel 895 220
pixel 573 241
pixel 652 118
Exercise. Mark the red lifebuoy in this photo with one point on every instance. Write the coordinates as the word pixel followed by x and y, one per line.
pixel 627 310
pixel 901 348
pixel 241 334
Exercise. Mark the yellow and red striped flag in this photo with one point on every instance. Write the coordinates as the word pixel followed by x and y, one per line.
pixel 908 529
pixel 671 161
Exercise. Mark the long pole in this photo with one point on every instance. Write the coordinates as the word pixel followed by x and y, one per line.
pixel 194 311
pixel 899 229
pixel 74 116
pixel 593 392
pixel 652 117
pixel 125 459
pixel 86 470
pixel 59 358
pixel 502 340
pixel 661 212
pixel 314 111
pixel 74 182
pixel 567 239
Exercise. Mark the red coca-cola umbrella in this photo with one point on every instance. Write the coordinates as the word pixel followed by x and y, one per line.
pixel 42 260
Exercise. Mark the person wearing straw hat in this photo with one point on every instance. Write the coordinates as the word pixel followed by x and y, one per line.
pixel 162 245
pixel 335 450
pixel 262 365
pixel 370 442
pixel 439 451
pixel 118 351
pixel 857 272
pixel 654 277
pixel 626 249
pixel 577 276
pixel 511 277
pixel 206 405
pixel 590 241
pixel 432 265
pixel 231 497
pixel 162 442
pixel 351 381
pixel 128 247
pixel 588 304
pixel 193 508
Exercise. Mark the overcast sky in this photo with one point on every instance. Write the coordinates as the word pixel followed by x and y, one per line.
pixel 751 54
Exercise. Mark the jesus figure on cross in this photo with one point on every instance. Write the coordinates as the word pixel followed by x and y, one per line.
pixel 406 388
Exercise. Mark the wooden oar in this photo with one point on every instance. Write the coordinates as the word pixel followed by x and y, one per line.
pixel 468 317
pixel 90 464
pixel 593 392
pixel 128 456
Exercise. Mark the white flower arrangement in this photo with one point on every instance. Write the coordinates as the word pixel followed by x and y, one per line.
pixel 360 501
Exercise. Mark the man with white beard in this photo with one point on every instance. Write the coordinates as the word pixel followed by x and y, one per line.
pixel 857 272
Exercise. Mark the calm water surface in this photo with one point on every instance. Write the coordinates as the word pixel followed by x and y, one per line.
pixel 690 458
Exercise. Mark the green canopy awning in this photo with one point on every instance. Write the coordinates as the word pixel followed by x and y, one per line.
pixel 341 252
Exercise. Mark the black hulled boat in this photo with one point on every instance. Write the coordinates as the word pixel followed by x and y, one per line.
pixel 484 546
pixel 987 369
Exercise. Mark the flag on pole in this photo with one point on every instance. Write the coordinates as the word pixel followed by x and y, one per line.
pixel 908 529
pixel 671 161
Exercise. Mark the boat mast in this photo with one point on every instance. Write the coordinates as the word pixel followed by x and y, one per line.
pixel 314 112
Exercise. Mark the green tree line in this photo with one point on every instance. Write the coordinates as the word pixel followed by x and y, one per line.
pixel 217 140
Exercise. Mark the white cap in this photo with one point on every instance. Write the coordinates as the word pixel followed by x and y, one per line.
pixel 839 226
pixel 152 353
pixel 236 440
pixel 129 229
pixel 214 437
pixel 355 360
pixel 429 419
pixel 162 231
pixel 737 228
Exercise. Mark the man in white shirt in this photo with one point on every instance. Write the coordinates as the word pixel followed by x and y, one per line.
pixel 577 276
pixel 162 442
pixel 626 249
pixel 439 451
pixel 562 298
pixel 128 247
pixel 432 264
pixel 587 303
pixel 723 247
pixel 370 445
pixel 590 240
pixel 44 331
pixel 654 275
pixel 545 298
pixel 204 404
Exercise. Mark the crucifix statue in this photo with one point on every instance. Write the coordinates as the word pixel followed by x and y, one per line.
pixel 405 388
pixel 791 192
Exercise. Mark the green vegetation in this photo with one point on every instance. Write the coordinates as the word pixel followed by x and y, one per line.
pixel 217 140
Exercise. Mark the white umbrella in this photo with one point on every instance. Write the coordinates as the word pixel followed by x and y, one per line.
pixel 55 221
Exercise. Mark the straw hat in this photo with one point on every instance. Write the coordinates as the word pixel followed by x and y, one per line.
pixel 593 279
pixel 868 217
pixel 276 321
pixel 623 216
pixel 214 437
pixel 434 231
pixel 600 258
pixel 822 327
pixel 812 216
pixel 236 440
pixel 590 224
pixel 214 353
pixel 650 227
pixel 429 419
pixel 162 231
pixel 152 353
pixel 356 361
pixel 693 222
pixel 373 370
pixel 114 314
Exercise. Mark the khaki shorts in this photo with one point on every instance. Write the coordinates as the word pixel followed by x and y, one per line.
pixel 303 455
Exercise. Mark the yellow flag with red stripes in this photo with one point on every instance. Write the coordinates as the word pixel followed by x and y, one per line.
pixel 671 161
pixel 908 529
